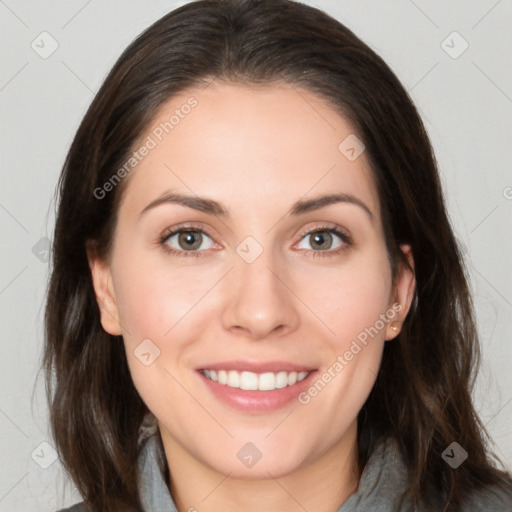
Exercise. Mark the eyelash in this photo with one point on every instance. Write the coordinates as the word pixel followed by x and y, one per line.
pixel 345 237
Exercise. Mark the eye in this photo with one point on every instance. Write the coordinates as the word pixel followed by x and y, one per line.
pixel 186 239
pixel 193 241
pixel 325 239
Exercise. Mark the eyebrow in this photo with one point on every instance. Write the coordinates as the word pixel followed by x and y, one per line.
pixel 213 207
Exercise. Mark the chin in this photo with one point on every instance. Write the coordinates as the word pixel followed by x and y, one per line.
pixel 249 462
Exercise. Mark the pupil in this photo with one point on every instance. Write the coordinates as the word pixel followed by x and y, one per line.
pixel 318 239
pixel 188 238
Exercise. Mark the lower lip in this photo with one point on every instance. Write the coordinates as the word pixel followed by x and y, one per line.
pixel 256 401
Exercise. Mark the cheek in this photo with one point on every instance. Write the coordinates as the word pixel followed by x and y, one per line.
pixel 153 297
pixel 159 302
pixel 351 298
pixel 353 302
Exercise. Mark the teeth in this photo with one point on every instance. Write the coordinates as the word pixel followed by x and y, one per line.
pixel 222 377
pixel 233 379
pixel 250 381
pixel 281 380
pixel 267 381
pixel 301 376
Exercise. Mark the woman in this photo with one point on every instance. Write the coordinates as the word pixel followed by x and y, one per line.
pixel 257 299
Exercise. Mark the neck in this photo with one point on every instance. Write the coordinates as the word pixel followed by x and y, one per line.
pixel 323 485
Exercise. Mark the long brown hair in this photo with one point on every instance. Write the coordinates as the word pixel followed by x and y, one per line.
pixel 422 396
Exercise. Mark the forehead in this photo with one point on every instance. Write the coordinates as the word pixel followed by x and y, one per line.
pixel 250 147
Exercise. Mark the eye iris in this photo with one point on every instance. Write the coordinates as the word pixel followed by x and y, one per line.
pixel 319 238
pixel 190 240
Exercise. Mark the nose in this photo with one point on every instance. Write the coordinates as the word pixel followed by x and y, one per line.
pixel 260 300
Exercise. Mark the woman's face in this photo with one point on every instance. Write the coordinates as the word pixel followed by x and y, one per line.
pixel 265 283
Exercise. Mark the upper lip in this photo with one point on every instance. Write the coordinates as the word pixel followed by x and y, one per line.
pixel 257 367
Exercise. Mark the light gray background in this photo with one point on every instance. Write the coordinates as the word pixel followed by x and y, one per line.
pixel 466 103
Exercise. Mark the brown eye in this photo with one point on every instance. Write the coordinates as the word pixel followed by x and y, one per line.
pixel 187 240
pixel 321 240
pixel 324 240
pixel 190 240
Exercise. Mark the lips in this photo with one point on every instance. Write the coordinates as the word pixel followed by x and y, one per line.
pixel 256 386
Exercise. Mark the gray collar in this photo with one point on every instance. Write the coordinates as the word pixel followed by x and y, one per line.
pixel 155 495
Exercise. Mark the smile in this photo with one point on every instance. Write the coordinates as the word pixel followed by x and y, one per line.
pixel 250 381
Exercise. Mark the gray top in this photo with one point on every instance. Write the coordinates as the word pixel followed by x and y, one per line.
pixel 379 490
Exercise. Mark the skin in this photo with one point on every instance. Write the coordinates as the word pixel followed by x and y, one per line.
pixel 256 151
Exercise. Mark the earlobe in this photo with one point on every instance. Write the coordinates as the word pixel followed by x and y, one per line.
pixel 403 293
pixel 105 293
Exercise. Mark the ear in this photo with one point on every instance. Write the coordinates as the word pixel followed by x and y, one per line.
pixel 105 293
pixel 402 295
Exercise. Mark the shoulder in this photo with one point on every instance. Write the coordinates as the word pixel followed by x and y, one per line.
pixel 496 498
pixel 82 507
pixel 390 464
pixel 79 507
